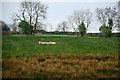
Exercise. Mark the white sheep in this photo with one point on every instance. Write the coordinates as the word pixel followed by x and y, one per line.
pixel 52 42
pixel 40 42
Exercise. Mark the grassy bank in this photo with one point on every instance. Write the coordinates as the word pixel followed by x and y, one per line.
pixel 28 45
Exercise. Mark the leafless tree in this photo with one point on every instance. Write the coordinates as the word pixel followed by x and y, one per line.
pixel 49 25
pixel 32 12
pixel 63 26
pixel 80 16
pixel 71 24
pixel 104 14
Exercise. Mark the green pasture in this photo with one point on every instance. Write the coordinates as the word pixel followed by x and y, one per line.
pixel 21 45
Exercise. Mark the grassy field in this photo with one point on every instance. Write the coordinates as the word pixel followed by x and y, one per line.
pixel 28 45
pixel 71 58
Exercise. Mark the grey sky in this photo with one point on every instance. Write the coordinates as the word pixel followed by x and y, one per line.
pixel 57 11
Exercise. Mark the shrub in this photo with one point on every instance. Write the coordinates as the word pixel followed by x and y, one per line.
pixel 82 29
pixel 106 31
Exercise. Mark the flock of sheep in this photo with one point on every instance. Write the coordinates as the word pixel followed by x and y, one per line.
pixel 40 42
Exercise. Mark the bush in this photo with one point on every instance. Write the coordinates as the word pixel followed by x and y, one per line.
pixel 106 31
pixel 82 29
pixel 26 28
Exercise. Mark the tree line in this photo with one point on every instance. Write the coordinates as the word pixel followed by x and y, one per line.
pixel 31 16
pixel 80 21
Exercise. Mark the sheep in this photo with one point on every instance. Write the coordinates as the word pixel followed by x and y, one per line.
pixel 52 42
pixel 47 42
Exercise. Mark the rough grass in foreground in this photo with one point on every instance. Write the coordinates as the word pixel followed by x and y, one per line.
pixel 62 66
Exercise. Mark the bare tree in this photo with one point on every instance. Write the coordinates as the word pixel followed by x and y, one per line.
pixel 88 17
pixel 80 16
pixel 49 25
pixel 72 24
pixel 33 13
pixel 104 14
pixel 63 26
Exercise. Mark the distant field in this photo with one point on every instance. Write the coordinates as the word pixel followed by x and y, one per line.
pixel 66 44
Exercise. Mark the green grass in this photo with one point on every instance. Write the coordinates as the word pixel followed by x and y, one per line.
pixel 66 44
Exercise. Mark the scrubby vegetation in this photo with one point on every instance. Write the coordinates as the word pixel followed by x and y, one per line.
pixel 62 66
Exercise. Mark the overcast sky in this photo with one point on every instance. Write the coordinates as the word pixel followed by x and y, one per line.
pixel 57 11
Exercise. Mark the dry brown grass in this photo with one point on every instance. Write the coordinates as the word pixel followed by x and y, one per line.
pixel 62 66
